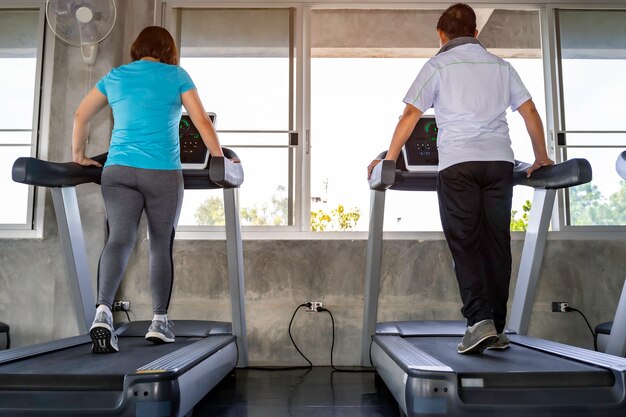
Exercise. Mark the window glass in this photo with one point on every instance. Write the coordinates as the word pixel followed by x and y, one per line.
pixel 264 201
pixel 592 66
pixel 241 61
pixel 17 82
pixel 603 200
pixel 14 195
pixel 360 71
pixel 19 31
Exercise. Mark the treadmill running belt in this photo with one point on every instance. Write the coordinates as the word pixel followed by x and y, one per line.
pixel 77 368
pixel 513 367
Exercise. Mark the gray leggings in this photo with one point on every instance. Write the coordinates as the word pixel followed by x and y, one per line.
pixel 127 193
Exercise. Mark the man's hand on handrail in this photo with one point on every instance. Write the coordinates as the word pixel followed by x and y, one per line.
pixel 538 164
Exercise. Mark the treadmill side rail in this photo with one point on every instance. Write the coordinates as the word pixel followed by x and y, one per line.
pixel 591 357
pixel 26 352
pixel 214 360
pixel 424 395
pixel 182 359
pixel 423 328
pixel 409 358
pixel 185 376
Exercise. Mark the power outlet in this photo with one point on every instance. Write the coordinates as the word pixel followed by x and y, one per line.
pixel 121 305
pixel 314 306
pixel 559 306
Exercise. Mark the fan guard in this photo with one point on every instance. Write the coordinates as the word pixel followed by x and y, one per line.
pixel 83 23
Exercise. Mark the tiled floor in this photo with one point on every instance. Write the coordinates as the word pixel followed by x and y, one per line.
pixel 318 392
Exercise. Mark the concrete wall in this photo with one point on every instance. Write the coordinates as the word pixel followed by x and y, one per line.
pixel 417 277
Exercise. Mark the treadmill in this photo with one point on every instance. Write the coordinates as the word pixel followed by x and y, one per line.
pixel 611 335
pixel 64 378
pixel 418 360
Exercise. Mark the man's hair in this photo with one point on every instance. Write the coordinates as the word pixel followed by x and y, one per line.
pixel 155 42
pixel 458 20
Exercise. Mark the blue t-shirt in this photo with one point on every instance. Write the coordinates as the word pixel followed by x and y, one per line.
pixel 146 103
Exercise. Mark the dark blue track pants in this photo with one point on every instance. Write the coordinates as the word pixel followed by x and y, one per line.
pixel 475 208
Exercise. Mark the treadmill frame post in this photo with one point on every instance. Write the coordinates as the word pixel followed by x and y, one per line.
pixel 617 339
pixel 532 257
pixel 75 254
pixel 234 253
pixel 372 272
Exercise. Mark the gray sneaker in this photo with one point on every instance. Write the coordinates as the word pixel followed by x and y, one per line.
pixel 160 331
pixel 502 343
pixel 478 337
pixel 102 334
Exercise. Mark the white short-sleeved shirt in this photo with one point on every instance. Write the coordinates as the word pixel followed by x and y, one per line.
pixel 470 90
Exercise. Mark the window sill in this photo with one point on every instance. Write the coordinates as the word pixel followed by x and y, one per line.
pixel 617 233
pixel 20 234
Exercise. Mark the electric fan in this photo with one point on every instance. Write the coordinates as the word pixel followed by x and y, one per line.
pixel 83 23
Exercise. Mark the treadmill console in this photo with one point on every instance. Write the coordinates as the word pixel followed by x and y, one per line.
pixel 420 151
pixel 193 153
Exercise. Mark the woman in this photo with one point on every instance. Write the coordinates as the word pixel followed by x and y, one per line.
pixel 142 171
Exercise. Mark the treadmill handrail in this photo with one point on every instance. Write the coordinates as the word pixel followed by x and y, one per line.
pixel 383 175
pixel 34 171
pixel 390 175
pixel 566 174
pixel 221 173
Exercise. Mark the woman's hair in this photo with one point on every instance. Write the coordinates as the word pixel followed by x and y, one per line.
pixel 155 42
pixel 458 20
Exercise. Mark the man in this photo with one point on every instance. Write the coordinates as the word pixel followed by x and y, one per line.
pixel 470 90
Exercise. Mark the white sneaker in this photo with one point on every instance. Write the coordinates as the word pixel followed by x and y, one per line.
pixel 502 343
pixel 102 334
pixel 478 337
pixel 160 331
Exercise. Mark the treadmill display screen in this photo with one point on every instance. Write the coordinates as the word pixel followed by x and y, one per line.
pixel 192 148
pixel 420 150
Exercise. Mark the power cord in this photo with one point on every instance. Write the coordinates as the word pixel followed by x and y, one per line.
pixel 310 366
pixel 595 336
pixel 291 337
pixel 125 311
pixel 332 347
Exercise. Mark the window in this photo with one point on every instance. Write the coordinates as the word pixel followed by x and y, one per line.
pixel 592 64
pixel 362 63
pixel 21 37
pixel 242 62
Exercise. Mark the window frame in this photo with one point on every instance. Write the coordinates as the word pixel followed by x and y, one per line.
pixel 300 230
pixel 559 217
pixel 168 17
pixel 33 227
